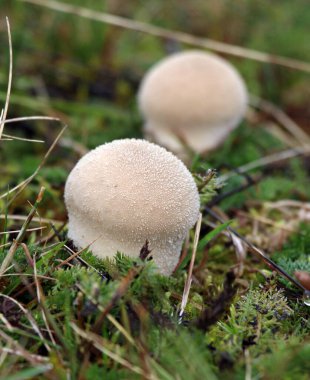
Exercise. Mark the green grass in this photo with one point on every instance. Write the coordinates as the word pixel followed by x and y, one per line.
pixel 88 73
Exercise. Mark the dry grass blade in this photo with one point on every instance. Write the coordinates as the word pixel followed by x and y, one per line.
pixel 21 351
pixel 110 317
pixel 21 186
pixel 73 256
pixel 7 100
pixel 35 219
pixel 30 118
pixel 9 257
pixel 282 118
pixel 268 221
pixel 188 282
pixel 18 231
pixel 121 329
pixel 288 203
pixel 172 35
pixel 84 262
pixel 267 160
pixel 29 317
pixel 258 252
pixel 11 138
pixel 98 342
pixel 120 291
pixel 39 301
pixel 28 275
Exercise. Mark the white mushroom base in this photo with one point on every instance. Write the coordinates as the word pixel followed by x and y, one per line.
pixel 84 235
pixel 182 140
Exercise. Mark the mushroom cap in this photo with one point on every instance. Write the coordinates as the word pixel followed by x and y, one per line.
pixel 193 96
pixel 126 192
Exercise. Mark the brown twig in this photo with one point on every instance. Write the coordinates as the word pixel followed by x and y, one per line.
pixel 282 118
pixel 186 38
pixel 267 160
pixel 34 219
pixel 98 342
pixel 258 252
pixel 121 290
pixel 29 317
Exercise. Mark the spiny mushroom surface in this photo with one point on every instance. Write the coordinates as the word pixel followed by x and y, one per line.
pixel 192 97
pixel 126 192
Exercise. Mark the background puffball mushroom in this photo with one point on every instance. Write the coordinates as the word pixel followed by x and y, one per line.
pixel 194 97
pixel 126 192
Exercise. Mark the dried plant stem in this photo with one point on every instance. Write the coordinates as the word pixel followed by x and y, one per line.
pixel 98 342
pixel 9 257
pixel 189 279
pixel 30 318
pixel 267 221
pixel 258 252
pixel 267 160
pixel 39 296
pixel 288 203
pixel 110 317
pixel 10 137
pixel 282 118
pixel 7 100
pixel 172 35
pixel 35 219
pixel 248 365
pixel 27 230
pixel 20 350
pixel 120 291
pixel 21 186
pixel 27 118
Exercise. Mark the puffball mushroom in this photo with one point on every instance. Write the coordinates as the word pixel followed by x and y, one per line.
pixel 193 97
pixel 126 192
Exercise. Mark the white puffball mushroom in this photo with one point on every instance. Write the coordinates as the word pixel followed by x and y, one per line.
pixel 126 192
pixel 193 97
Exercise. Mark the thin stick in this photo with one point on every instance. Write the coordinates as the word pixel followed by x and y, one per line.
pixel 288 203
pixel 11 138
pixel 257 251
pixel 282 118
pixel 267 160
pixel 98 342
pixel 189 279
pixel 27 118
pixel 109 317
pixel 172 35
pixel 73 256
pixel 248 366
pixel 38 288
pixel 19 349
pixel 120 291
pixel 27 230
pixel 7 100
pixel 9 257
pixel 30 318
pixel 35 219
pixel 267 221
pixel 28 275
pixel 21 186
